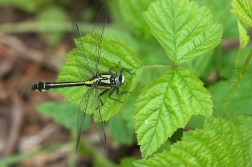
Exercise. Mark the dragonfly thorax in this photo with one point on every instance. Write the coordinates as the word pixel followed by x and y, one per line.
pixel 108 80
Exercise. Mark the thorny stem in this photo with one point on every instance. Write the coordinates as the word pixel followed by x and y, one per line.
pixel 237 82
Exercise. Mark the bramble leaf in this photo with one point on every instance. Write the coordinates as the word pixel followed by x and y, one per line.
pixel 243 37
pixel 167 104
pixel 184 29
pixel 222 142
pixel 242 9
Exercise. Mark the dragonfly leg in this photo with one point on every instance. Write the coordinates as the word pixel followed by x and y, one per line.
pixel 122 69
pixel 110 70
pixel 102 93
pixel 112 91
pixel 118 93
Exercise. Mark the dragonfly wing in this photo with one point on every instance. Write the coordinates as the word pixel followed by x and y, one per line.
pixel 81 58
pixel 97 34
pixel 99 124
pixel 84 104
pixel 90 104
pixel 97 117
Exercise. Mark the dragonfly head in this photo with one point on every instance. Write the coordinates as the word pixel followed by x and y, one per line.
pixel 120 79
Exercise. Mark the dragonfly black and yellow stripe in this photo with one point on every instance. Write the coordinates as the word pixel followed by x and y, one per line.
pixel 44 86
pixel 99 81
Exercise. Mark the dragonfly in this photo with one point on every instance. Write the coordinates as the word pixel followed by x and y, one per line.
pixel 93 79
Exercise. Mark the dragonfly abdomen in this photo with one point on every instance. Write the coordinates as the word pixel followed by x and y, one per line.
pixel 44 86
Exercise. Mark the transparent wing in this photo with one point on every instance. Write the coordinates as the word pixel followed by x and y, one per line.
pixel 82 114
pixel 90 103
pixel 81 59
pixel 99 124
pixel 97 34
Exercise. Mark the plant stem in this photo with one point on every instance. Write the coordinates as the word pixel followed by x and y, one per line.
pixel 237 82
pixel 246 63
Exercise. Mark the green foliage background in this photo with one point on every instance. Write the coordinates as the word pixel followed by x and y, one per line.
pixel 180 41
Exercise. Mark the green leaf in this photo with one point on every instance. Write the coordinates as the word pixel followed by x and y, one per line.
pixel 222 142
pixel 167 104
pixel 243 123
pixel 165 147
pixel 243 37
pixel 133 15
pixel 241 103
pixel 64 114
pixel 242 9
pixel 112 53
pixel 196 121
pixel 184 30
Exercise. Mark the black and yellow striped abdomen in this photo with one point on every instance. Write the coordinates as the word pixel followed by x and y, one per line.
pixel 44 86
pixel 100 81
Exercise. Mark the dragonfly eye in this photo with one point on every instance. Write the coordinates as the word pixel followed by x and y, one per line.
pixel 122 79
pixel 119 80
